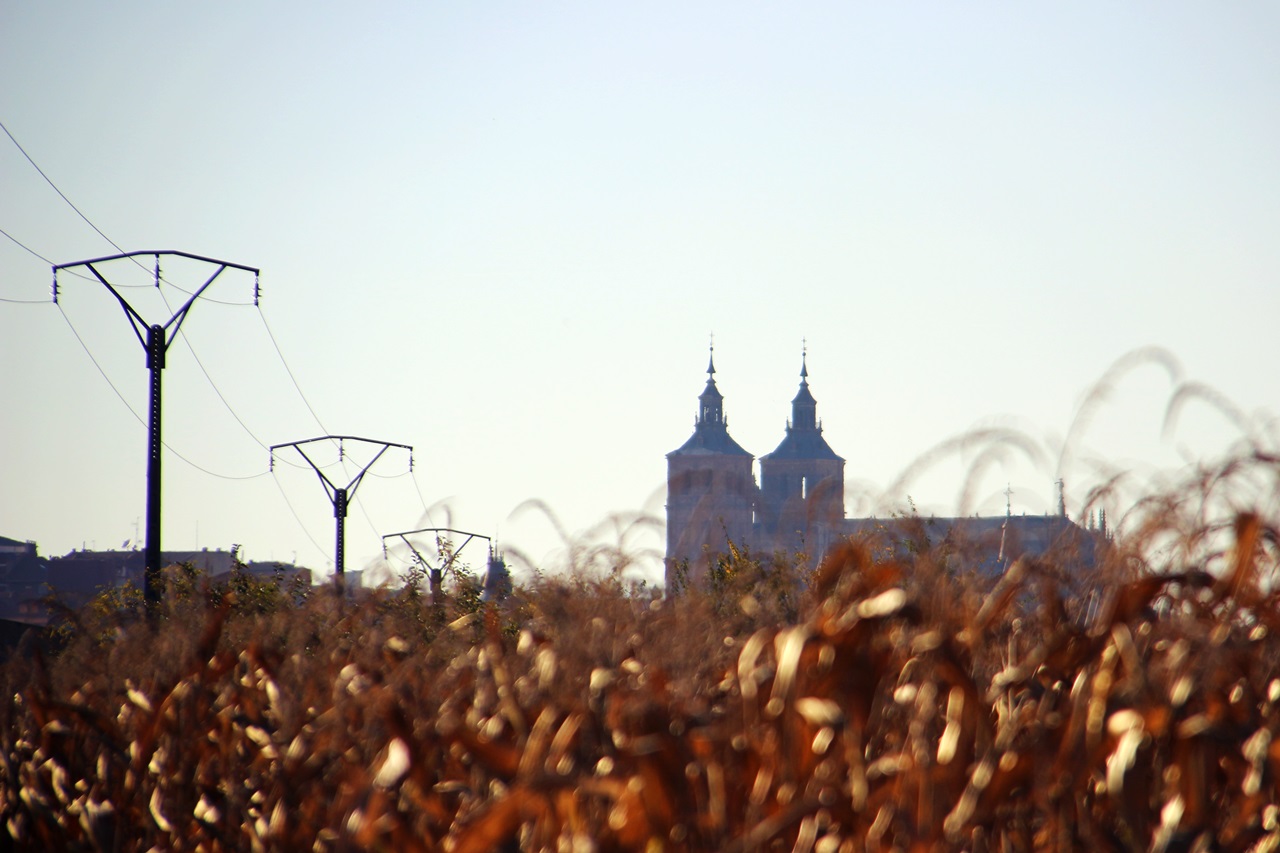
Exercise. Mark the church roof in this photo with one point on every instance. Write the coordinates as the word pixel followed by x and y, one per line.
pixel 803 444
pixel 804 434
pixel 711 392
pixel 711 430
pixel 707 440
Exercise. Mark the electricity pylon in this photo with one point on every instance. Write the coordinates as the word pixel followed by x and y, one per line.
pixel 156 342
pixel 436 575
pixel 340 496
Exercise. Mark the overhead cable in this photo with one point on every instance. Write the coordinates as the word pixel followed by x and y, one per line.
pixel 49 181
pixel 22 245
pixel 288 370
pixel 138 417
pixel 296 517
pixel 426 511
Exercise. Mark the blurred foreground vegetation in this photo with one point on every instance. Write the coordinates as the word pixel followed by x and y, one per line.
pixel 885 700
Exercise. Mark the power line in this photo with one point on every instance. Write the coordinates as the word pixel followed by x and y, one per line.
pixel 206 298
pixel 287 369
pixel 22 245
pixel 138 417
pixel 404 473
pixel 73 207
pixel 85 347
pixel 185 341
pixel 159 279
pixel 360 503
pixel 103 373
pixel 367 518
pixel 71 204
pixel 296 517
pixel 217 391
pixel 426 511
pixel 214 473
pixel 324 467
pixel 32 251
pixel 50 182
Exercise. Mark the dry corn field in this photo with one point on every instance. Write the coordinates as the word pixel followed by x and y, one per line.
pixel 896 705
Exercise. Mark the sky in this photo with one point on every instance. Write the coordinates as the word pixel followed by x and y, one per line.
pixel 504 234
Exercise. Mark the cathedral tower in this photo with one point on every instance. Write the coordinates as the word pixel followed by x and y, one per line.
pixel 802 480
pixel 711 493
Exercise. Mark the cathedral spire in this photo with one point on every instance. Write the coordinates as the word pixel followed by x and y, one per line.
pixel 710 426
pixel 804 409
pixel 711 401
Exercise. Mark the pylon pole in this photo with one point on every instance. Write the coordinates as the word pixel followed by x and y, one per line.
pixel 152 580
pixel 340 544
pixel 340 496
pixel 156 343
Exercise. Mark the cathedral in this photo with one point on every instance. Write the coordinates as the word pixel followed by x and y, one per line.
pixel 714 498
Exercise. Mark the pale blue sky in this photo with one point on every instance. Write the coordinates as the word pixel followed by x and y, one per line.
pixel 503 232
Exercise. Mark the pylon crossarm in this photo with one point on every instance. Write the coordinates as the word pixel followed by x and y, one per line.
pixel 181 313
pixel 408 447
pixel 456 551
pixel 330 489
pixel 404 537
pixel 328 484
pixel 416 553
pixel 136 322
pixel 135 319
pixel 153 253
pixel 437 530
pixel 355 481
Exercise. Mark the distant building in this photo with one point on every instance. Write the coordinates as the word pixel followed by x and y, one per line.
pixel 80 575
pixel 713 498
pixel 497 578
pixel 24 581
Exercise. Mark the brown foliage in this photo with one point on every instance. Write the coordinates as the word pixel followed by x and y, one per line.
pixel 903 710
